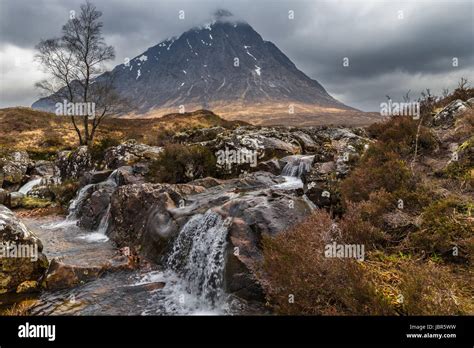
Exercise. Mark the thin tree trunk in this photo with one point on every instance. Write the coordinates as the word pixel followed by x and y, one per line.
pixel 77 129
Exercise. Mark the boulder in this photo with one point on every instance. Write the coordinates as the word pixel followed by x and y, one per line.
pixel 44 168
pixel 128 175
pixel 94 177
pixel 24 261
pixel 272 166
pixel 94 208
pixel 308 143
pixel 252 217
pixel 446 117
pixel 73 164
pixel 129 153
pixel 27 286
pixel 61 275
pixel 92 203
pixel 141 219
pixel 13 168
pixel 246 147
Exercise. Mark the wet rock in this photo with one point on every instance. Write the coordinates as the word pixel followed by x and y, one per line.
pixel 63 276
pixel 73 164
pixel 130 153
pixel 271 166
pixel 206 182
pixel 94 177
pixel 94 208
pixel 446 117
pixel 148 217
pixel 128 175
pixel 15 270
pixel 308 144
pixel 141 218
pixel 252 217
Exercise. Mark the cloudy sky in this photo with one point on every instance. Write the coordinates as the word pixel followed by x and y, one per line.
pixel 391 46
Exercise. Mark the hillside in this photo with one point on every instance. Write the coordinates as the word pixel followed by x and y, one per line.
pixel 43 132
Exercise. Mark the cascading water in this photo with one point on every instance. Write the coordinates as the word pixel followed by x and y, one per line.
pixel 83 194
pixel 198 255
pixel 76 205
pixel 294 168
pixel 298 166
pixel 78 200
pixel 30 185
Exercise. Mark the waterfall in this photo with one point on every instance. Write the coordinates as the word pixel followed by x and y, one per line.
pixel 29 186
pixel 197 255
pixel 294 169
pixel 78 200
pixel 83 194
pixel 297 166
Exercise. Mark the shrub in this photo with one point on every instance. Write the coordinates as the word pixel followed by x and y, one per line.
pixel 294 264
pixel 380 168
pixel 362 221
pixel 399 134
pixel 52 140
pixel 182 163
pixel 445 224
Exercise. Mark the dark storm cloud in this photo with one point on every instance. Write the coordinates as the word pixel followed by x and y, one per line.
pixel 389 51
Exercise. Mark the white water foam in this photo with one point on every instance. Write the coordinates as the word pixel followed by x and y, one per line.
pixel 195 270
pixel 30 185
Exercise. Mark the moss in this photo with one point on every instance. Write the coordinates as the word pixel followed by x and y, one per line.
pixel 29 202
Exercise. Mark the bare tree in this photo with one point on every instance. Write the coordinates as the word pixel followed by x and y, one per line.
pixel 463 84
pixel 73 61
pixel 445 92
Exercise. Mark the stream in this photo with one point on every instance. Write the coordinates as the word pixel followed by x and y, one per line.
pixel 189 282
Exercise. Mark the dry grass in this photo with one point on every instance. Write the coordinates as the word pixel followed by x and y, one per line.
pixel 299 279
pixel 19 309
pixel 28 129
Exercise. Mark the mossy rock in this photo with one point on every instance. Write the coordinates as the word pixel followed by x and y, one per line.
pixel 29 202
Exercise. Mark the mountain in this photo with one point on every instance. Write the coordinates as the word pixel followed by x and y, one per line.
pixel 226 67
